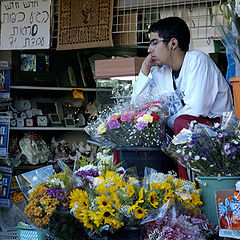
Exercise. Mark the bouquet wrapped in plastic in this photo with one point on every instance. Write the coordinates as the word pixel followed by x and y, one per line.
pixel 209 151
pixel 115 200
pixel 175 224
pixel 48 202
pixel 125 125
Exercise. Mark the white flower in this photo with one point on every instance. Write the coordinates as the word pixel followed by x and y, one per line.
pixel 237 186
pixel 196 157
pixel 87 167
pixel 237 7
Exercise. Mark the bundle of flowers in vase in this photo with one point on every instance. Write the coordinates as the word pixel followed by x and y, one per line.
pixel 125 125
pixel 209 151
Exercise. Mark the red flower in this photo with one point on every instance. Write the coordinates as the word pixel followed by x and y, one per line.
pixel 155 116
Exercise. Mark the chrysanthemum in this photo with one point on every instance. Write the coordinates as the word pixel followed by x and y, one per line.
pixel 101 128
pixel 140 213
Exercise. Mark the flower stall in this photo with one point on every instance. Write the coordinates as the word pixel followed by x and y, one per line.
pixel 103 201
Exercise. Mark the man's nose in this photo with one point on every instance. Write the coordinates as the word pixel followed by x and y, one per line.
pixel 149 49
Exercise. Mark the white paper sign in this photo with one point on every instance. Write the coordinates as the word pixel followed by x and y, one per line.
pixel 25 24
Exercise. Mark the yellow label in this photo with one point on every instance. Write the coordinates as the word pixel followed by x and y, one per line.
pixel 78 93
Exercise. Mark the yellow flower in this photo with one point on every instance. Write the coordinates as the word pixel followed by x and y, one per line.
pixel 116 200
pixel 79 196
pixel 130 189
pixel 140 213
pixel 101 128
pixel 147 118
pixel 104 202
pixel 85 220
pixel 153 199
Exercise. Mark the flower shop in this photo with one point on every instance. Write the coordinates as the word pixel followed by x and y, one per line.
pixel 79 158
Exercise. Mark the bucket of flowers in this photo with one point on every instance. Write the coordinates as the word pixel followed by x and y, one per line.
pixel 213 154
pixel 114 202
pixel 137 133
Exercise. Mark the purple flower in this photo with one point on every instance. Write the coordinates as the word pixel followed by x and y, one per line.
pixel 56 193
pixel 113 124
pixel 226 146
pixel 141 125
pixel 86 174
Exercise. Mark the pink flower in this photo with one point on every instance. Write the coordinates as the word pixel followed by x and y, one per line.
pixel 127 117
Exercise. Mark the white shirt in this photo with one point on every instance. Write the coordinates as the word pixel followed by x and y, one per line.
pixel 204 89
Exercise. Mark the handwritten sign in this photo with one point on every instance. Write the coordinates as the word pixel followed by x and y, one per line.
pixel 25 24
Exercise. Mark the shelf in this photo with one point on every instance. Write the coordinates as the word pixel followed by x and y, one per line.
pixel 50 88
pixel 47 128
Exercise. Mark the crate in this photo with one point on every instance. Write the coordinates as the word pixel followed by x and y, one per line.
pixel 141 157
pixel 28 233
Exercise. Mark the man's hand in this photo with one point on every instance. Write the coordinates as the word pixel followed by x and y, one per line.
pixel 147 64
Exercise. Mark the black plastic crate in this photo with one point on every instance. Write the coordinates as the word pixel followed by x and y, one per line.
pixel 142 157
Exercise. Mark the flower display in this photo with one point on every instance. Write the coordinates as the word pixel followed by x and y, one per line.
pixel 115 200
pixel 123 125
pixel 175 225
pixel 49 203
pixel 209 151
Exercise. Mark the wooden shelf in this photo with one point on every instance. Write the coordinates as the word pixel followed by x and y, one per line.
pixel 50 88
pixel 47 128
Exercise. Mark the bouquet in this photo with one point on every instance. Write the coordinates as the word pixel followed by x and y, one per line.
pixel 116 200
pixel 121 125
pixel 48 207
pixel 209 151
pixel 174 224
pixel 229 32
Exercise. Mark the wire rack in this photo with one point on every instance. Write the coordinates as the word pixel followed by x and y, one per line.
pixel 132 18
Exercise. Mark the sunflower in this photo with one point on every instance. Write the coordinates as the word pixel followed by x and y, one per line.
pixel 85 220
pixel 106 214
pixel 153 199
pixel 104 202
pixel 140 213
pixel 130 189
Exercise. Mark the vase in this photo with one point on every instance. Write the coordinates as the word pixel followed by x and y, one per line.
pixel 141 157
pixel 236 95
pixel 208 186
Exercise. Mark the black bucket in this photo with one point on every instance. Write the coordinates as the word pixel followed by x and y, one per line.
pixel 142 157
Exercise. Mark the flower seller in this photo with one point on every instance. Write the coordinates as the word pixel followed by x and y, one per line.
pixel 197 89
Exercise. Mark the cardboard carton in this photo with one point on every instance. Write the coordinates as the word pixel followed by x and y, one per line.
pixel 118 67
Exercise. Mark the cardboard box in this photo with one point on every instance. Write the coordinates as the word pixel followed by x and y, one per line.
pixel 229 225
pixel 118 67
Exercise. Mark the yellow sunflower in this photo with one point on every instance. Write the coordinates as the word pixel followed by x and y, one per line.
pixel 104 202
pixel 130 189
pixel 106 214
pixel 140 213
pixel 153 199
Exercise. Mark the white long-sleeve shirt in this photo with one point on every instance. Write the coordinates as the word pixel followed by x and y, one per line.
pixel 204 89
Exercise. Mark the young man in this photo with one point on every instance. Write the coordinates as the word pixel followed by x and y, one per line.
pixel 197 88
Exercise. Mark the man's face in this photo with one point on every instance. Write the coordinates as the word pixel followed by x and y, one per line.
pixel 160 53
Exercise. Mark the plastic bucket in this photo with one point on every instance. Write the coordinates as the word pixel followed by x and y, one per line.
pixel 236 90
pixel 142 157
pixel 208 186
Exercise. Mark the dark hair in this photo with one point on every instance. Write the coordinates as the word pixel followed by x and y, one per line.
pixel 172 27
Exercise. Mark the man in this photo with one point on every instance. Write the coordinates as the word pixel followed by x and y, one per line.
pixel 197 88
